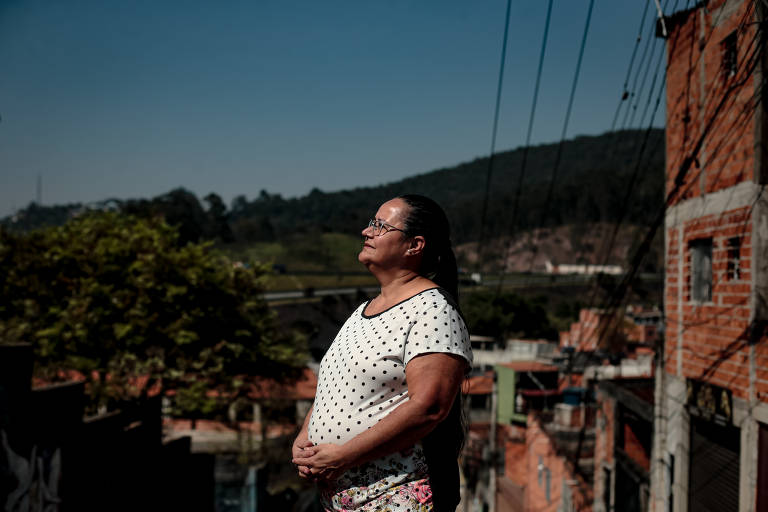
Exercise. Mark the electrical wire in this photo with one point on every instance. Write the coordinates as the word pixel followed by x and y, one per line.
pixel 559 154
pixel 625 91
pixel 679 182
pixel 489 172
pixel 521 177
pixel 607 248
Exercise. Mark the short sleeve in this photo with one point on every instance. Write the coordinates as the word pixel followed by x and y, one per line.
pixel 438 328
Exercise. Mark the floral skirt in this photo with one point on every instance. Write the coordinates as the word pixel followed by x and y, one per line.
pixel 395 483
pixel 409 497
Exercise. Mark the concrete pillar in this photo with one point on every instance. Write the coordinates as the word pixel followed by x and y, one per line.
pixel 678 436
pixel 748 465
pixel 659 458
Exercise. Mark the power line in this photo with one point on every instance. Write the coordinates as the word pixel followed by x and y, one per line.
pixel 628 97
pixel 708 126
pixel 625 91
pixel 559 153
pixel 523 164
pixel 607 249
pixel 489 172
pixel 608 246
pixel 632 93
pixel 685 166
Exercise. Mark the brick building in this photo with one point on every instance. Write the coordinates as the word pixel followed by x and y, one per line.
pixel 711 395
pixel 623 444
pixel 559 460
pixel 555 455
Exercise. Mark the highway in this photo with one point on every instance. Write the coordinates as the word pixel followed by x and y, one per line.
pixel 510 282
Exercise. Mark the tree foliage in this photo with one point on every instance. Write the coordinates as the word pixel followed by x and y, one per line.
pixel 591 187
pixel 507 315
pixel 118 299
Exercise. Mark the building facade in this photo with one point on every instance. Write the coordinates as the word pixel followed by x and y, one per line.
pixel 711 391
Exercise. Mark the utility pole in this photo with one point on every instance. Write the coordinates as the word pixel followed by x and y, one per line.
pixel 39 190
pixel 492 448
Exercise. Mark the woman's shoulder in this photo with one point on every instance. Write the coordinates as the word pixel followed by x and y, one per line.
pixel 439 298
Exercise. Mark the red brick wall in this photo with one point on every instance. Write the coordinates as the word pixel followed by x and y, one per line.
pixel 605 438
pixel 540 446
pixel 695 87
pixel 583 335
pixel 714 333
pixel 635 449
pixel 514 453
pixel 714 344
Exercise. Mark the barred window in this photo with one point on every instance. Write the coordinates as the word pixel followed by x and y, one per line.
pixel 733 270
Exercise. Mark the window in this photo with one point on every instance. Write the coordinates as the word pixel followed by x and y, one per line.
pixel 701 270
pixel 733 270
pixel 730 56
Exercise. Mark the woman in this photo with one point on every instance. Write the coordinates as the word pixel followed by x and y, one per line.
pixel 384 430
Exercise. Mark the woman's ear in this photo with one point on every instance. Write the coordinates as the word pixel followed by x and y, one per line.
pixel 416 245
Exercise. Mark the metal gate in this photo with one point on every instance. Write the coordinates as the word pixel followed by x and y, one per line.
pixel 714 467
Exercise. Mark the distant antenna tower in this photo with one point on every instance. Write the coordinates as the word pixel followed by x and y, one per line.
pixel 39 190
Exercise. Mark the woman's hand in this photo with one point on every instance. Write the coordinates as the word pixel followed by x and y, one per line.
pixel 299 450
pixel 325 461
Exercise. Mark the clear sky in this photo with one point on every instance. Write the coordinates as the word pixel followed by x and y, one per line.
pixel 108 98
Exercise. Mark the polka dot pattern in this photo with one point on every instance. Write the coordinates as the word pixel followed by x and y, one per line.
pixel 362 375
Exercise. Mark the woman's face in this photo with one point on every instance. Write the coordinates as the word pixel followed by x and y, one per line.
pixel 388 249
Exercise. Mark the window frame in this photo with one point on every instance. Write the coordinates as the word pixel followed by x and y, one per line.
pixel 733 271
pixel 701 271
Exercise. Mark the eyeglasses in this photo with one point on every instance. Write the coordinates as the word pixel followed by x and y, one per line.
pixel 382 228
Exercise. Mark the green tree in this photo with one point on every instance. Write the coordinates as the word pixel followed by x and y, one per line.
pixel 117 299
pixel 505 315
pixel 217 224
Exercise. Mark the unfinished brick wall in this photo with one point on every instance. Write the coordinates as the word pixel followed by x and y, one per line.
pixel 708 339
pixel 634 448
pixel 542 458
pixel 714 332
pixel 706 101
pixel 584 335
pixel 715 221
pixel 513 439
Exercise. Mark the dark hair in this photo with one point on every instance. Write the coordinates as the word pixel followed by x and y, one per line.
pixel 426 218
pixel 443 445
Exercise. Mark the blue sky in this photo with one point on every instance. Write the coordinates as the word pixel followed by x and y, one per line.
pixel 109 98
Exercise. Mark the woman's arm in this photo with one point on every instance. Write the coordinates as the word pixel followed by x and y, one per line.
pixel 433 381
pixel 301 442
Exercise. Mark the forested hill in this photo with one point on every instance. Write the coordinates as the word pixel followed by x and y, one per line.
pixel 591 182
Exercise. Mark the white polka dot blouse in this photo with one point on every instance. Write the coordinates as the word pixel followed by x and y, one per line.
pixel 362 376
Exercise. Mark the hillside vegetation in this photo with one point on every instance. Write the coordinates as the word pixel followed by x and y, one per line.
pixel 590 187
